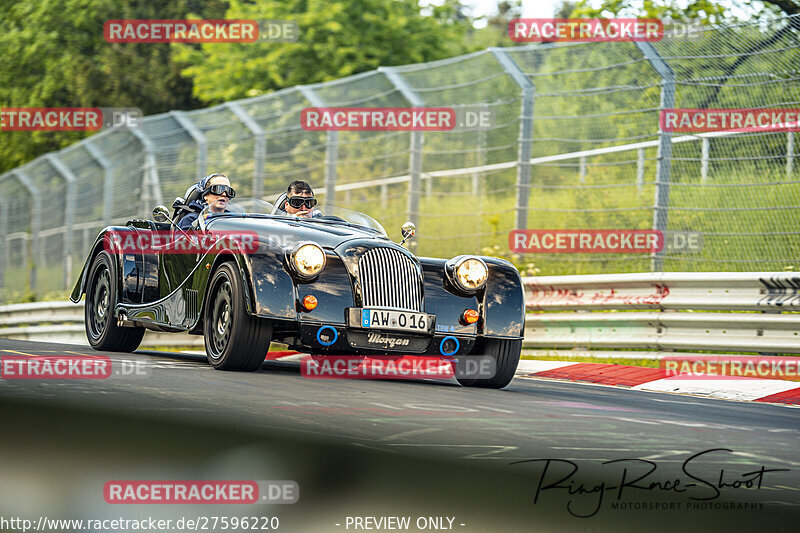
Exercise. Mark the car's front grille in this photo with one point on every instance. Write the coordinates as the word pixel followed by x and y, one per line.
pixel 389 278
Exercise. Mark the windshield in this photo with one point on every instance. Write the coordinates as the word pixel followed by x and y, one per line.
pixel 321 214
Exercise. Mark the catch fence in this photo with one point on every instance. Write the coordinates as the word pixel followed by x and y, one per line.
pixel 574 144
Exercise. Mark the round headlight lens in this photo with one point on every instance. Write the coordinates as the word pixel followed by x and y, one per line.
pixel 471 274
pixel 309 260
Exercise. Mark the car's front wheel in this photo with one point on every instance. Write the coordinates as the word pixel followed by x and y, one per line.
pixel 234 339
pixel 506 355
pixel 98 313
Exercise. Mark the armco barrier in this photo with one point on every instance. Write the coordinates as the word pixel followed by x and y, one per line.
pixel 62 322
pixel 705 311
pixel 645 315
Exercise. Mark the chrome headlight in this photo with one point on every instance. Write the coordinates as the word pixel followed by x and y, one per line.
pixel 470 273
pixel 307 259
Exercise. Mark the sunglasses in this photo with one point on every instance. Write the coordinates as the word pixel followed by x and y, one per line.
pixel 298 201
pixel 219 190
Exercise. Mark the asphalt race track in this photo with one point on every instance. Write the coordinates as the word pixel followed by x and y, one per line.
pixel 398 448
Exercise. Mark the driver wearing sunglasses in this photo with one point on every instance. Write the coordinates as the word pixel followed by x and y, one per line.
pixel 216 192
pixel 300 200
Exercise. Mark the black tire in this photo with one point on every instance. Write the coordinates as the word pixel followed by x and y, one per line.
pixel 234 339
pixel 101 326
pixel 506 354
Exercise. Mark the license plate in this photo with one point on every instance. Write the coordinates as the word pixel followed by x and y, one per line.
pixel 396 320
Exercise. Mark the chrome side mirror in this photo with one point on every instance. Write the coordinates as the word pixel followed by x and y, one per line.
pixel 161 214
pixel 408 230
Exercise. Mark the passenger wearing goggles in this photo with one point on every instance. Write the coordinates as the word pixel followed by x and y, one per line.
pixel 216 192
pixel 300 200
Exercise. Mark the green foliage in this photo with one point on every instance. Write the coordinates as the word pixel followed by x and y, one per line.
pixel 525 266
pixel 336 39
pixel 495 33
pixel 704 11
pixel 54 55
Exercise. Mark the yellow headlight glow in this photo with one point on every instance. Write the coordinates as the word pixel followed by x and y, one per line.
pixel 309 259
pixel 472 274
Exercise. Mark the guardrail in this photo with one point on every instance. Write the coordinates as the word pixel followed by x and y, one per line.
pixel 645 315
pixel 754 312
pixel 62 322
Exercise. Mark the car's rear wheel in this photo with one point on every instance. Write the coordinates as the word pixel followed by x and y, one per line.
pixel 506 355
pixel 101 329
pixel 234 339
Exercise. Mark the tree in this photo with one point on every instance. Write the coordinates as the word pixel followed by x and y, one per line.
pixel 496 31
pixel 790 7
pixel 704 11
pixel 336 39
pixel 54 55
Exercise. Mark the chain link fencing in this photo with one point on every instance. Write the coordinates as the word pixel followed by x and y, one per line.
pixel 574 144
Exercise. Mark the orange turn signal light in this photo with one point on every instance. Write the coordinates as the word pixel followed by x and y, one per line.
pixel 471 316
pixel 309 302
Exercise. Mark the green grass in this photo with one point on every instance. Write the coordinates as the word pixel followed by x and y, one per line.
pixel 452 222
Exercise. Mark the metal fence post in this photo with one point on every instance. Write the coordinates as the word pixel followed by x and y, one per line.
pixel 417 143
pixel 582 170
pixel 664 168
pixel 260 141
pixel 69 214
pixel 477 192
pixel 704 159
pixel 108 178
pixel 640 168
pixel 199 138
pixel 789 154
pixel 3 246
pixel 151 185
pixel 331 148
pixel 476 176
pixel 36 224
pixel 525 140
pixel 384 196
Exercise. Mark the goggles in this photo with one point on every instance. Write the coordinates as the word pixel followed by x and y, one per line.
pixel 298 201
pixel 219 190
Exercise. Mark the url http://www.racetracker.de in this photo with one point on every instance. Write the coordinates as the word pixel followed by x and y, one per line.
pixel 194 523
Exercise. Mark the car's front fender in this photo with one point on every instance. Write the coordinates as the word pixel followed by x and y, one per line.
pixel 97 247
pixel 503 301
pixel 275 294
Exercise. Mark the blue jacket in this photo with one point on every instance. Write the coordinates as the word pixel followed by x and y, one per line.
pixel 185 223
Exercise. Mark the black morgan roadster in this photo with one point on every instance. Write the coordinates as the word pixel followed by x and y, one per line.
pixel 331 284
